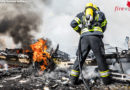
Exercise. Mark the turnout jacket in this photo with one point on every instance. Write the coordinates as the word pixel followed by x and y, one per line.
pixel 98 25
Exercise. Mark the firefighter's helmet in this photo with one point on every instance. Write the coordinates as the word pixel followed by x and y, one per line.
pixel 89 5
pixel 95 7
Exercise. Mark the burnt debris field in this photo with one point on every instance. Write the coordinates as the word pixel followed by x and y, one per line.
pixel 23 79
pixel 40 68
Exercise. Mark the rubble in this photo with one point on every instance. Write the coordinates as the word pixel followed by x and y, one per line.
pixel 24 74
pixel 54 80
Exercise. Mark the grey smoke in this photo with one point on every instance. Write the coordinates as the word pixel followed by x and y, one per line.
pixel 18 21
pixel 19 27
pixel 57 17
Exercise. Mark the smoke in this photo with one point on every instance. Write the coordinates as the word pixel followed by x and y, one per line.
pixel 59 14
pixel 4 65
pixel 2 44
pixel 19 27
pixel 89 72
pixel 57 73
pixel 128 72
pixel 47 2
pixel 19 20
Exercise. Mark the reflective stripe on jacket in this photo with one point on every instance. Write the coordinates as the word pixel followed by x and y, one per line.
pixel 77 24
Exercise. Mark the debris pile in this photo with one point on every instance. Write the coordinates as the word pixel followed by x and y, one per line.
pixel 43 69
pixel 56 79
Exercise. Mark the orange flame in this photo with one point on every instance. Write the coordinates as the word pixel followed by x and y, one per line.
pixel 23 51
pixel 39 53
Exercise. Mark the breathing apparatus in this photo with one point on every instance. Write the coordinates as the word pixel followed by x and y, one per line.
pixel 89 14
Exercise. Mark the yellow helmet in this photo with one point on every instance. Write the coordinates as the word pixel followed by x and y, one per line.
pixel 95 7
pixel 89 5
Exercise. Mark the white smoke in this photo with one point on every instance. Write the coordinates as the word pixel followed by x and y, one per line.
pixel 4 65
pixel 89 72
pixel 128 72
pixel 59 13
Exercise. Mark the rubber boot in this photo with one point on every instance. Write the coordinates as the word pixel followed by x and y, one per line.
pixel 106 80
pixel 73 80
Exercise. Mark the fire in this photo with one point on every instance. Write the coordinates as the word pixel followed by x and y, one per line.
pixel 39 53
pixel 22 51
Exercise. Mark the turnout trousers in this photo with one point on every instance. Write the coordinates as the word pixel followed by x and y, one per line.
pixel 94 43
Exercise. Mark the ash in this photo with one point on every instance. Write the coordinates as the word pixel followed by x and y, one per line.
pixel 21 79
pixel 56 79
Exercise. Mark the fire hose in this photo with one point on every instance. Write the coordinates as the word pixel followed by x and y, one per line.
pixel 86 84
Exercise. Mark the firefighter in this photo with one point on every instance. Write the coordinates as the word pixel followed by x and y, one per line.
pixel 90 24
